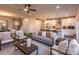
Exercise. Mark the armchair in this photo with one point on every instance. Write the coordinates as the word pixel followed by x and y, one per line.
pixel 57 52
pixel 65 48
pixel 20 35
pixel 60 49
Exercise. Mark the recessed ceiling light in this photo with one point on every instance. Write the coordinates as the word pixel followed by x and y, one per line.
pixel 57 7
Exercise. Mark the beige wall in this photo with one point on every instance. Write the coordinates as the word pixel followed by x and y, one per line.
pixel 30 24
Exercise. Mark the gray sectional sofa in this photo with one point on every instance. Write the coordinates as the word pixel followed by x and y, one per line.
pixel 42 39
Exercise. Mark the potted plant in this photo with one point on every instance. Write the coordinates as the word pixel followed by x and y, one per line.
pixel 28 41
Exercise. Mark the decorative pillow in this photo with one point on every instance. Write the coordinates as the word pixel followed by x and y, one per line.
pixel 48 34
pixel 39 33
pixel 44 33
pixel 55 36
pixel 51 33
pixel 62 33
pixel 36 33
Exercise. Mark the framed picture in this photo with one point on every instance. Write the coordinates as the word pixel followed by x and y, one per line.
pixel 71 27
pixel 64 27
pixel 17 23
pixel 3 25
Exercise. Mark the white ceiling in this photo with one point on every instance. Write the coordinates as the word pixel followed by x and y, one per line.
pixel 43 10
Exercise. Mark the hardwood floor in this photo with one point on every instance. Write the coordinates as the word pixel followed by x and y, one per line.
pixel 9 49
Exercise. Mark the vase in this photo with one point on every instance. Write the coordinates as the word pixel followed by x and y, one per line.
pixel 28 42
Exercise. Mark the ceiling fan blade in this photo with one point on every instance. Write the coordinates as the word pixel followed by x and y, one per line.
pixel 33 9
pixel 19 9
pixel 25 5
pixel 29 5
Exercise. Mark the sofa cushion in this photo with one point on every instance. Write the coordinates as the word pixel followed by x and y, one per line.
pixel 6 36
pixel 6 41
pixel 36 37
pixel 22 37
pixel 42 39
pixel 46 39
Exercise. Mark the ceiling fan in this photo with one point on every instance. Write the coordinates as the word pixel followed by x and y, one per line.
pixel 27 8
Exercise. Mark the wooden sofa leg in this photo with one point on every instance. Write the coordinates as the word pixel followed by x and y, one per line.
pixel 50 50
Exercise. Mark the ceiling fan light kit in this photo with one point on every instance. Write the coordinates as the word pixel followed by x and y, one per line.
pixel 27 8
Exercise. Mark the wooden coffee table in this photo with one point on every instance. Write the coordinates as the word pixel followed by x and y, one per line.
pixel 26 50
